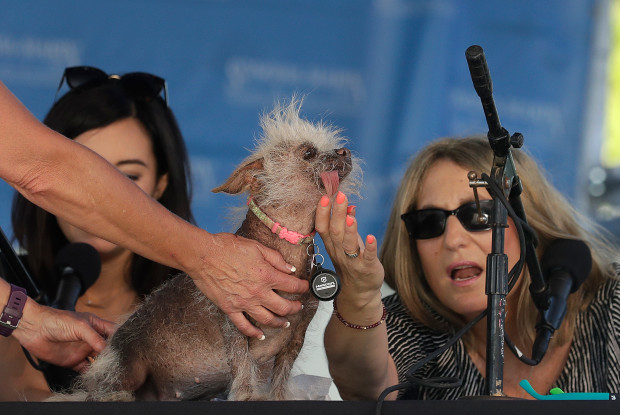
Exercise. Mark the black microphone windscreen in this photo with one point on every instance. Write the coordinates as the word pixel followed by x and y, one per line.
pixel 479 71
pixel 571 255
pixel 84 259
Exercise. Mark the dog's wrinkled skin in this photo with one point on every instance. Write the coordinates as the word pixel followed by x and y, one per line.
pixel 180 346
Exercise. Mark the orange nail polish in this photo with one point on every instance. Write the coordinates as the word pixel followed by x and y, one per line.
pixel 350 208
pixel 340 197
pixel 370 239
pixel 324 201
pixel 349 220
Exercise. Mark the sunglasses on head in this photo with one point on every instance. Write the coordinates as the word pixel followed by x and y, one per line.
pixel 137 84
pixel 431 223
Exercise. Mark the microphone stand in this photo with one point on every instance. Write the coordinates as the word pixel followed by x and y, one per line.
pixel 503 174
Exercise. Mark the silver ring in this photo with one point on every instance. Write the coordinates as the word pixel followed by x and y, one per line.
pixel 354 254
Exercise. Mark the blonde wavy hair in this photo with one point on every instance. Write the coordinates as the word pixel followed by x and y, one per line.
pixel 547 212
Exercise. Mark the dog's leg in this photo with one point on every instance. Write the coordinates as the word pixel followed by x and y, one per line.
pixel 282 368
pixel 243 370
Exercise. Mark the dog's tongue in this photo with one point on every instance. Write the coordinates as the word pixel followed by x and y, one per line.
pixel 330 182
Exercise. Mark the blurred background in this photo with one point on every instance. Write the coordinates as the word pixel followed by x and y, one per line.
pixel 391 73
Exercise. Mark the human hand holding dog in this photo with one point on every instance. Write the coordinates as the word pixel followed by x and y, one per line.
pixel 240 275
pixel 61 337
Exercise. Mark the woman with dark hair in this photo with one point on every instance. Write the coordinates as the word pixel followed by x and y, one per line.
pixel 83 114
pixel 126 121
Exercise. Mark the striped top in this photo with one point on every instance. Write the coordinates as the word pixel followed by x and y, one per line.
pixel 593 363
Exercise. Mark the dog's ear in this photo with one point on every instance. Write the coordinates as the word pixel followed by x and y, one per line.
pixel 242 179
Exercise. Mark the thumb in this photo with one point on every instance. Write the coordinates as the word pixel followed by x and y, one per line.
pixel 96 331
pixel 104 327
pixel 370 253
pixel 93 339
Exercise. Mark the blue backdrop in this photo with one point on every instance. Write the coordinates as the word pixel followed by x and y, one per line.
pixel 391 73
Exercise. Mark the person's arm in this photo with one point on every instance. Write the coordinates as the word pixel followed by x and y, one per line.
pixel 359 360
pixel 76 184
pixel 60 337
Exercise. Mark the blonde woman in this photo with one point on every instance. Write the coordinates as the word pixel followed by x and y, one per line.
pixel 437 267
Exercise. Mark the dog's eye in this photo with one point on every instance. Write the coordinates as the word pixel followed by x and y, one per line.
pixel 310 153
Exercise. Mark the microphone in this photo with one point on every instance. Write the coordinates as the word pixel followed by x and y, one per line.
pixel 499 138
pixel 566 263
pixel 78 265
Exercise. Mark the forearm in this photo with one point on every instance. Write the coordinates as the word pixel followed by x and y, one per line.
pixel 19 380
pixel 5 291
pixel 97 198
pixel 76 184
pixel 359 360
pixel 29 316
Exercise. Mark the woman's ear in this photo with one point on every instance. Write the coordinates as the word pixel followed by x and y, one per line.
pixel 160 188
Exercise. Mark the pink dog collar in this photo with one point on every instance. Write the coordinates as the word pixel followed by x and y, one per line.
pixel 290 236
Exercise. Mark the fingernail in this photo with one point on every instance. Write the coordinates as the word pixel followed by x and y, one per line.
pixel 351 208
pixel 324 201
pixel 287 325
pixel 370 239
pixel 292 268
pixel 350 220
pixel 302 306
pixel 340 197
pixel 261 337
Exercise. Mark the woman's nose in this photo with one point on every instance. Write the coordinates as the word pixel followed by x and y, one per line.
pixel 455 235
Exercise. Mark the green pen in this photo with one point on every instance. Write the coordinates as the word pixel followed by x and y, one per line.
pixel 558 395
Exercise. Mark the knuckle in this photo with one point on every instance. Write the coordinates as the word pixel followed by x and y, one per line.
pixel 320 227
pixel 335 232
pixel 269 319
pixel 282 308
pixel 234 304
pixel 242 324
pixel 294 285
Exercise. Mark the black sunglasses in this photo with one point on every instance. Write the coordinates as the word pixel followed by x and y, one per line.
pixel 138 84
pixel 430 223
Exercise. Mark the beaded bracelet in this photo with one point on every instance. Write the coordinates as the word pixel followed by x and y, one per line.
pixel 356 326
